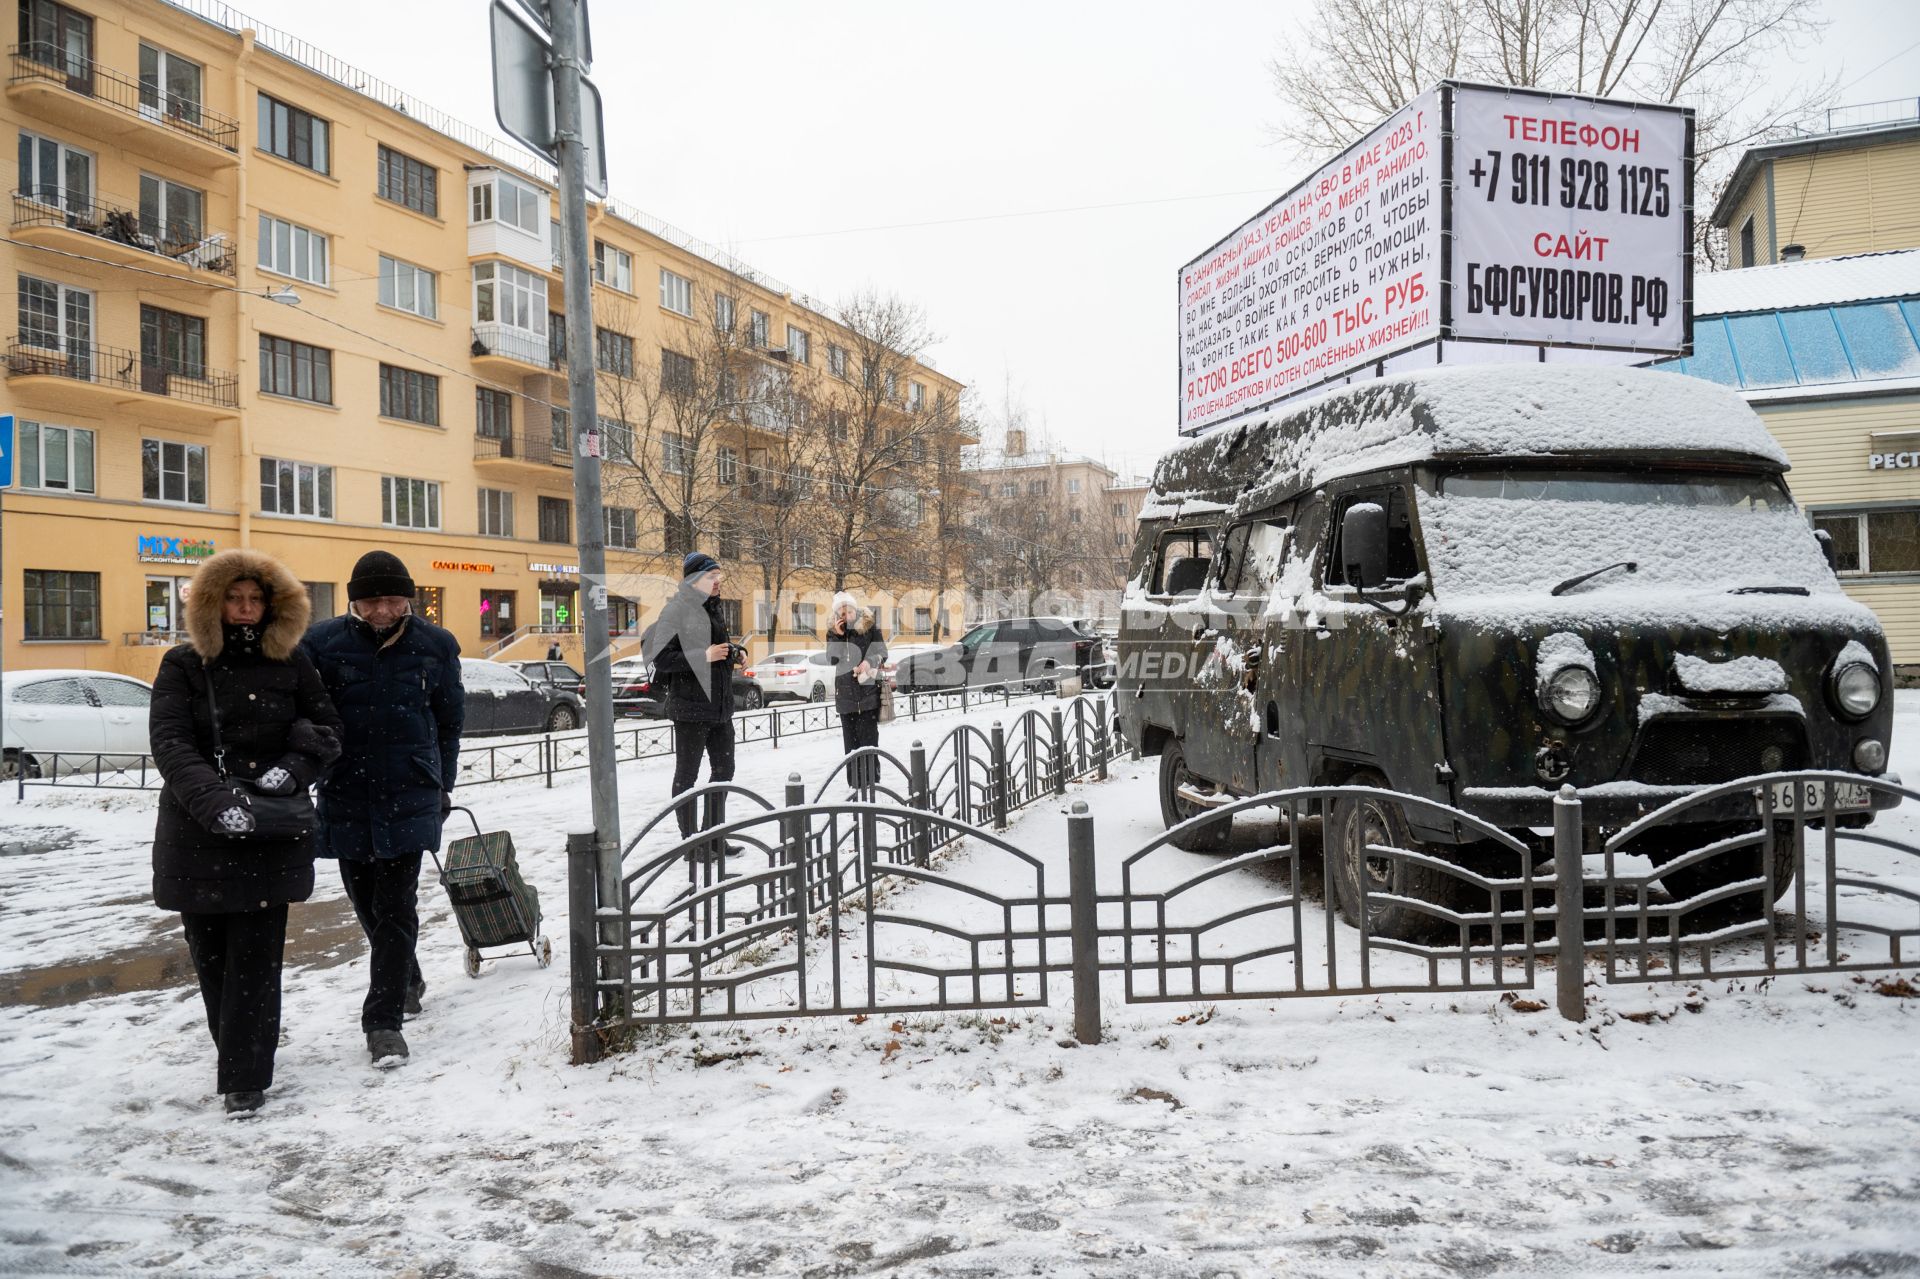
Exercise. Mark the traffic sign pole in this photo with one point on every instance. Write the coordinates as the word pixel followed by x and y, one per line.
pixel 570 144
pixel 7 440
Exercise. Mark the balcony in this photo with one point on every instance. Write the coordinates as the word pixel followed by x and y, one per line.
pixel 111 229
pixel 505 350
pixel 52 84
pixel 538 450
pixel 111 377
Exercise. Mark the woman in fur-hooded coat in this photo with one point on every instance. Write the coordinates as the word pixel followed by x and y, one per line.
pixel 245 617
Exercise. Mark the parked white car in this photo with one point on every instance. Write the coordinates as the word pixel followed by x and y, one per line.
pixel 805 674
pixel 897 652
pixel 66 721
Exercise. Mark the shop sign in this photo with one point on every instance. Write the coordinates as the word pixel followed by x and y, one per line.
pixel 563 570
pixel 1892 461
pixel 173 550
pixel 460 566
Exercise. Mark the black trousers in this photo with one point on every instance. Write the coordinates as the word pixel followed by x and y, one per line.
pixel 857 730
pixel 693 739
pixel 385 896
pixel 238 957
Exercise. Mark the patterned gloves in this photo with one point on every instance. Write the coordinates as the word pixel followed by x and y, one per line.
pixel 235 820
pixel 275 781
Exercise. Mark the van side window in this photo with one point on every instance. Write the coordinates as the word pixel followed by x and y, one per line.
pixel 1403 558
pixel 1181 561
pixel 1250 557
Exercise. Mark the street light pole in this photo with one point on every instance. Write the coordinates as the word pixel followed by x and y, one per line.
pixel 582 396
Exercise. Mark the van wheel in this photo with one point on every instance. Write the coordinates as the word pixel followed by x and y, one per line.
pixel 1363 820
pixel 1726 868
pixel 1210 837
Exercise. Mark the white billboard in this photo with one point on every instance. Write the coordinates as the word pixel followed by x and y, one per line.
pixel 1342 270
pixel 1571 223
pixel 1564 222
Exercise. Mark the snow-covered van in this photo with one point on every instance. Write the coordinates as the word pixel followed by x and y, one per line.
pixel 1477 585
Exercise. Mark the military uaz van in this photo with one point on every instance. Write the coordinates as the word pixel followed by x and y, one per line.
pixel 1476 586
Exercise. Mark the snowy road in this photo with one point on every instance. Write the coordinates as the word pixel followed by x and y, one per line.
pixel 1708 1129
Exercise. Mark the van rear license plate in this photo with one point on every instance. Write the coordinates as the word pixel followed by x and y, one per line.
pixel 1847 796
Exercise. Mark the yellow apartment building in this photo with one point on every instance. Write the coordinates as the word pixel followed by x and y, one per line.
pixel 258 307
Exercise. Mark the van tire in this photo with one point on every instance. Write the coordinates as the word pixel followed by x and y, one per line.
pixel 1717 872
pixel 1210 837
pixel 1358 820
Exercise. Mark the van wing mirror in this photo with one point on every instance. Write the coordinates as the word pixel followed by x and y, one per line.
pixel 1825 539
pixel 1363 544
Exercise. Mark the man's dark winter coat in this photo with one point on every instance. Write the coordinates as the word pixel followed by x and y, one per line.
pixel 274 712
pixel 684 619
pixel 402 704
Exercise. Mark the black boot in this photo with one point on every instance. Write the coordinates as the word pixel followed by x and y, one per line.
pixel 717 816
pixel 688 817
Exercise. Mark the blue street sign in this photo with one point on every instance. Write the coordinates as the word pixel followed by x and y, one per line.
pixel 6 450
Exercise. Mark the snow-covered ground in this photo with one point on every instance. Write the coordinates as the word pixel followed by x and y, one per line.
pixel 1767 1131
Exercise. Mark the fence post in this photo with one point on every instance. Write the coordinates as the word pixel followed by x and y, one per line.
pixel 1102 744
pixel 583 938
pixel 793 843
pixel 1083 924
pixel 918 797
pixel 913 706
pixel 1002 784
pixel 1569 914
pixel 1057 726
pixel 546 758
pixel 773 721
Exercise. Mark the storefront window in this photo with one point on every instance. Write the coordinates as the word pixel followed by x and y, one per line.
pixel 166 608
pixel 429 602
pixel 496 614
pixel 1875 542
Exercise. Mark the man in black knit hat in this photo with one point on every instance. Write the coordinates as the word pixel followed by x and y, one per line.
pixel 395 679
pixel 690 649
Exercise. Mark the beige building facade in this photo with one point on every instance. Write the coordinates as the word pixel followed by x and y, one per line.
pixel 259 308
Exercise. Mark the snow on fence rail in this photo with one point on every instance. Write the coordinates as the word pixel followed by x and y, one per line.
pixel 901 898
pixel 519 758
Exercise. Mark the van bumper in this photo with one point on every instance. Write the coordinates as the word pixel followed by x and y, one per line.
pixel 1617 804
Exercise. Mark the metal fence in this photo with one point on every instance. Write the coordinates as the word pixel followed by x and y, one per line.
pixel 837 906
pixel 524 757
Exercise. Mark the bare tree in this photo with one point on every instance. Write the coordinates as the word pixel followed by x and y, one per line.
pixel 779 514
pixel 1354 62
pixel 945 544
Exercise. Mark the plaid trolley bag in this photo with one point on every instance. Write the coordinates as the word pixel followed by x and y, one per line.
pixel 493 905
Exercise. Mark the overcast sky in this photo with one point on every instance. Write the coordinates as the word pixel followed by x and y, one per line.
pixel 1033 175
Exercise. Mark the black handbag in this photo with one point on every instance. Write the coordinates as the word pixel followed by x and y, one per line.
pixel 274 816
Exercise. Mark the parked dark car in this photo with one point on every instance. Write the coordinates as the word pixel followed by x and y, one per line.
pixel 502 700
pixel 558 674
pixel 635 693
pixel 1023 652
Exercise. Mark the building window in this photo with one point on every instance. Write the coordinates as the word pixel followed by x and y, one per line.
pixel 171 215
pixel 295 369
pixel 613 352
pixel 729 611
pixel 1036 488
pixel 1073 486
pixel 726 467
pixel 758 324
pixel 55 459
pixel 502 199
pixel 1874 541
pixel 405 180
pixel 805 618
pixel 799 346
pixel 1747 252
pixel 62 605
pixel 289 249
pixel 727 536
pixel 612 267
pixel 673 453
pixel 496 513
pixel 916 396
pixel 623 526
pixel 169 85
pixel 676 292
pixel 172 343
pixel 296 488
pixel 293 134
pixel 510 295
pixel 409 288
pixel 676 372
pixel 922 621
pixel 55 174
pixel 1119 511
pixel 803 552
pixel 171 472
pixel 723 312
pixel 893 386
pixel 492 413
pixel 837 361
pixel 678 535
pixel 556 519
pixel 57 317
pixel 408 503
pixel 409 396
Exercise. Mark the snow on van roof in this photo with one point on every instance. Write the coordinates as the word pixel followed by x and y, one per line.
pixel 1500 411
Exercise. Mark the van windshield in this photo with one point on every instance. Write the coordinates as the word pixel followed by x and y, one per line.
pixel 1521 531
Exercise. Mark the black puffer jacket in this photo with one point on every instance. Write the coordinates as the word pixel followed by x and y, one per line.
pixel 691 620
pixel 859 642
pixel 274 712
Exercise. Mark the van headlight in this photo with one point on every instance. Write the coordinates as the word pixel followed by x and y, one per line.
pixel 1855 689
pixel 1572 693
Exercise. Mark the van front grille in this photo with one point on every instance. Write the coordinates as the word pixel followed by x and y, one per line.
pixel 1700 751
